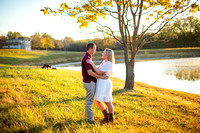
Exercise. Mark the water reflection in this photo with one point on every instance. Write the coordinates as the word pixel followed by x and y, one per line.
pixel 186 75
pixel 171 74
pixel 184 69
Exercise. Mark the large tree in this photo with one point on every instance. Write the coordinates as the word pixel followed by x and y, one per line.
pixel 129 14
pixel 36 41
pixel 58 44
pixel 66 42
pixel 47 41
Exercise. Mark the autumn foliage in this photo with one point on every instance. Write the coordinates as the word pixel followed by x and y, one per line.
pixel 128 14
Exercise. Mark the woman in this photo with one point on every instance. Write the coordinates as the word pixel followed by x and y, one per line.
pixel 104 86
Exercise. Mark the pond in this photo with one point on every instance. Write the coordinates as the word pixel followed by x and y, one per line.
pixel 177 74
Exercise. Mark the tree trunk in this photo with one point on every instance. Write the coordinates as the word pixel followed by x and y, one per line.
pixel 130 77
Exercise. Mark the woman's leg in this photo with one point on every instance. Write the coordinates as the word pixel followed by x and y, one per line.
pixel 103 109
pixel 110 107
pixel 111 111
pixel 100 105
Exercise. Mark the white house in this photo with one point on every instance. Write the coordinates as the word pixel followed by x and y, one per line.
pixel 17 43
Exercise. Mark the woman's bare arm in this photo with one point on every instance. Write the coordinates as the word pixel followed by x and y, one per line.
pixel 93 74
pixel 95 68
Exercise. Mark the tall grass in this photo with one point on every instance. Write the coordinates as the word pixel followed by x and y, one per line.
pixel 40 100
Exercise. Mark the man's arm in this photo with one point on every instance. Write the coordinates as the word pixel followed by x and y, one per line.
pixel 97 70
pixel 91 73
pixel 94 67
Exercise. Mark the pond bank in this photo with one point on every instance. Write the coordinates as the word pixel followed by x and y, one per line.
pixel 181 74
pixel 78 63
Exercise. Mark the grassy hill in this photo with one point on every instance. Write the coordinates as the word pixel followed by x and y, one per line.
pixel 40 100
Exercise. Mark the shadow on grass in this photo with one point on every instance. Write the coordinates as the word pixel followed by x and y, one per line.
pixel 136 95
pixel 77 98
pixel 23 61
pixel 122 91
pixel 66 125
pixel 63 101
pixel 119 91
pixel 36 129
pixel 125 92
pixel 73 99
pixel 14 60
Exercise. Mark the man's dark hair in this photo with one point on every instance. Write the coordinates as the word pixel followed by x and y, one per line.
pixel 90 45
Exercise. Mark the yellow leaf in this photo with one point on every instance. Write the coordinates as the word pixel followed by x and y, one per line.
pixel 151 1
pixel 155 11
pixel 159 12
pixel 169 12
pixel 155 35
pixel 145 8
pixel 151 15
pixel 147 18
pixel 61 5
pixel 156 19
pixel 169 19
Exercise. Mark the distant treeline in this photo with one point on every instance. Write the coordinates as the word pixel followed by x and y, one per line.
pixel 182 33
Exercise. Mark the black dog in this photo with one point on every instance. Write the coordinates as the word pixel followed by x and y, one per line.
pixel 46 66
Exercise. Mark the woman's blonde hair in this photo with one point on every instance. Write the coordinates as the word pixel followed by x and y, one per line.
pixel 110 55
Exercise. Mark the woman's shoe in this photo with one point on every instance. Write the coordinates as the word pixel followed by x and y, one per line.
pixel 105 113
pixel 110 117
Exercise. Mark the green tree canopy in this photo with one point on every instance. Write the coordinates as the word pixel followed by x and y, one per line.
pixel 11 34
pixel 185 32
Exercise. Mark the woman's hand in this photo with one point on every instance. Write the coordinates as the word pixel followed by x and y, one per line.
pixel 90 61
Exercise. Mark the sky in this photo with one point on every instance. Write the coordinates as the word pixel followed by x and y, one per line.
pixel 25 17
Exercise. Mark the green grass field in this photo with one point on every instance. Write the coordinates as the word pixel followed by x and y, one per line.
pixel 40 100
pixel 38 57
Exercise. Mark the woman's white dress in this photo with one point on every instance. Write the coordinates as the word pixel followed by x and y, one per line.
pixel 104 86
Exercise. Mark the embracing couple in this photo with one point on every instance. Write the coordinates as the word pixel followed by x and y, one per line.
pixel 97 83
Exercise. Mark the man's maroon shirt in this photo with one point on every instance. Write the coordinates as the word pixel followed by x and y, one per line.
pixel 86 66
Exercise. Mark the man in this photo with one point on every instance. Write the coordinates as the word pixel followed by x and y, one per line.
pixel 89 81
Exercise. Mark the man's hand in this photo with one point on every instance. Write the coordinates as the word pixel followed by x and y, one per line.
pixel 89 61
pixel 104 77
pixel 91 73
